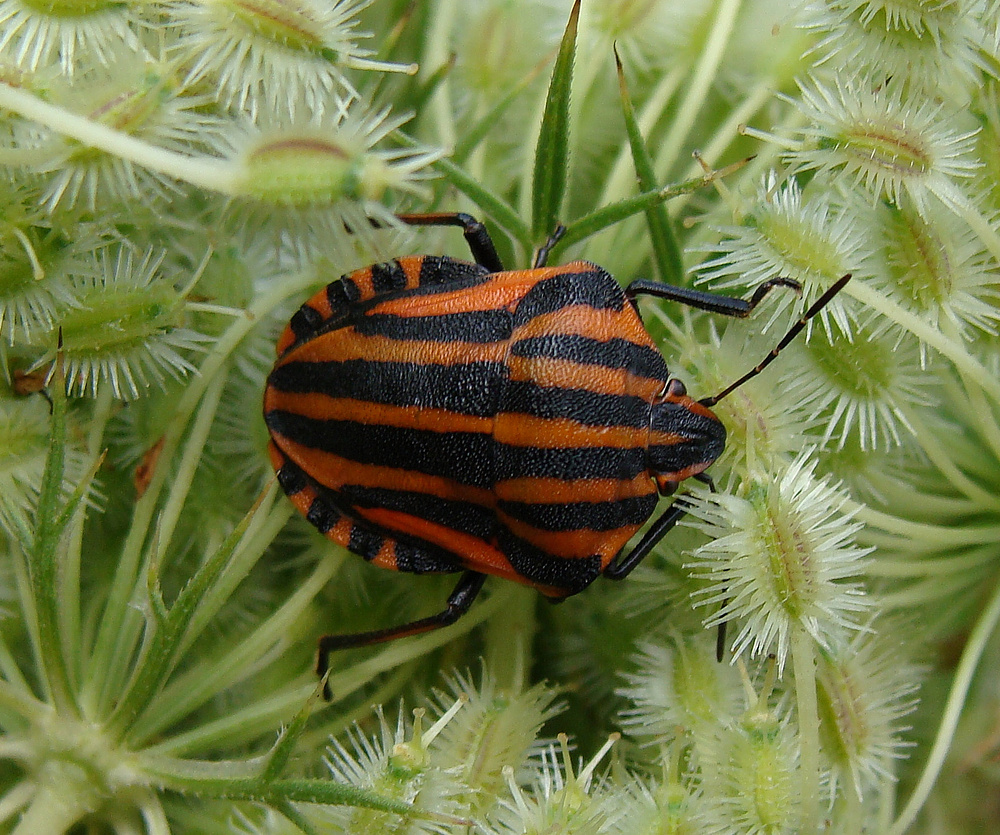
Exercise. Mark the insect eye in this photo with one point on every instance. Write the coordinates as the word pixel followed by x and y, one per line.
pixel 665 487
pixel 675 388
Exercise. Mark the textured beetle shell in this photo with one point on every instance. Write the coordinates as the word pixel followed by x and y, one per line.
pixel 432 416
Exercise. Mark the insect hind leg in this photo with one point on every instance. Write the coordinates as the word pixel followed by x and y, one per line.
pixel 478 237
pixel 459 601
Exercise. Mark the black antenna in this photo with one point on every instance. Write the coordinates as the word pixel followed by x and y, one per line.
pixel 793 331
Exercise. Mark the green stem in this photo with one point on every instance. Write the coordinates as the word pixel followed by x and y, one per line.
pixel 71 610
pixel 621 180
pixel 853 816
pixel 11 676
pixel 984 416
pixel 45 558
pixel 937 538
pixel 98 689
pixel 243 727
pixel 959 203
pixel 437 42
pixel 153 814
pixel 971 655
pixel 213 174
pixel 168 633
pixel 193 453
pixel 133 623
pixel 15 799
pixel 389 690
pixel 198 685
pixel 925 534
pixel 942 567
pixel 59 802
pixel 17 699
pixel 508 639
pixel 728 131
pixel 942 459
pixel 927 592
pixel 804 669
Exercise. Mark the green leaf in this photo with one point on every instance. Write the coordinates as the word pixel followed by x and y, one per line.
pixel 431 84
pixel 491 204
pixel 552 152
pixel 43 568
pixel 291 811
pixel 279 755
pixel 227 780
pixel 242 780
pixel 666 251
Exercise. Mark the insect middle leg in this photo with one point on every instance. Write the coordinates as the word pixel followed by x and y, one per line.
pixel 623 565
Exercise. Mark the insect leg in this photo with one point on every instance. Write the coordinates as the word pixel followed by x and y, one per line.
pixel 793 331
pixel 459 601
pixel 542 256
pixel 480 242
pixel 622 566
pixel 703 300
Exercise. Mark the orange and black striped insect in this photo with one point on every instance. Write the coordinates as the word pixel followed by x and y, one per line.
pixel 434 415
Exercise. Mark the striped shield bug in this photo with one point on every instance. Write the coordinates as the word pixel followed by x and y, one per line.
pixel 435 415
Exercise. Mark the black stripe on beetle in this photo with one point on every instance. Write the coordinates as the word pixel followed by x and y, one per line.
pixel 592 288
pixel 472 326
pixel 455 514
pixel 570 575
pixel 575 516
pixel 422 451
pixel 398 383
pixel 610 353
pixel 589 408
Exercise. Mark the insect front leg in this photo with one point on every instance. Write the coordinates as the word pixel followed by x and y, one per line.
pixel 623 565
pixel 703 300
pixel 738 308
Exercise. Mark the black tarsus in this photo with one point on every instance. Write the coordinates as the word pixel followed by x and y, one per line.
pixel 542 256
